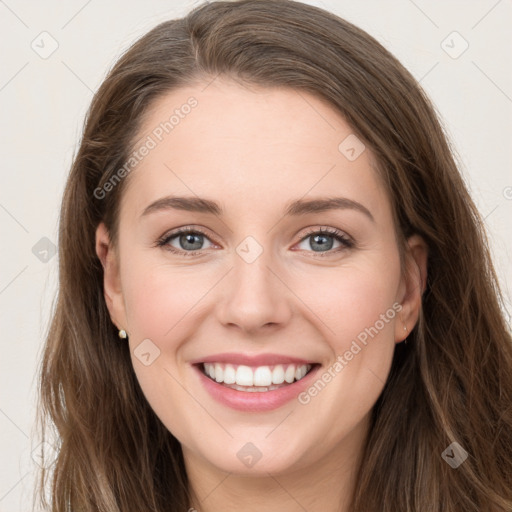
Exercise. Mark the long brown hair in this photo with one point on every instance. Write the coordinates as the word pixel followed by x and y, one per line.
pixel 451 382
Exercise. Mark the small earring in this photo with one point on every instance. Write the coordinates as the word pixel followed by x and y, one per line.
pixel 122 334
pixel 405 329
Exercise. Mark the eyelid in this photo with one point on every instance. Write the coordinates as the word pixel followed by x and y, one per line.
pixel 166 237
pixel 329 231
pixel 344 239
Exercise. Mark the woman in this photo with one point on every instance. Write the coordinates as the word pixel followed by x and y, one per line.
pixel 332 339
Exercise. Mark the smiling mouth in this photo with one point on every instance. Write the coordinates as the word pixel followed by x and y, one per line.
pixel 255 379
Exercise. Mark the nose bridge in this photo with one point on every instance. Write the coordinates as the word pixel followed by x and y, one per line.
pixel 255 296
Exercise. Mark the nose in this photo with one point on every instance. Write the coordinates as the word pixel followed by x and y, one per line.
pixel 254 296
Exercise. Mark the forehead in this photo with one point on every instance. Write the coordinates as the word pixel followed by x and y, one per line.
pixel 250 146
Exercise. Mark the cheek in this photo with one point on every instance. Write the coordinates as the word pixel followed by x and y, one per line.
pixel 353 299
pixel 159 297
pixel 365 305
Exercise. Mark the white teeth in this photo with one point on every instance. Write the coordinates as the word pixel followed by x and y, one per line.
pixel 264 377
pixel 244 376
pixel 219 373
pixel 229 374
pixel 289 374
pixel 278 374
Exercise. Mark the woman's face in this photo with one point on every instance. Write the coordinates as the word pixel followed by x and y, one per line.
pixel 254 289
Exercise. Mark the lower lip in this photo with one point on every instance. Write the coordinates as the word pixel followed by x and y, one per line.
pixel 255 401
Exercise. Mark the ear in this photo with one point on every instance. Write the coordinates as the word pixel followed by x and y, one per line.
pixel 412 286
pixel 111 277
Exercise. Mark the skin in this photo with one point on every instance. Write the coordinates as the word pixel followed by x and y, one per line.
pixel 254 150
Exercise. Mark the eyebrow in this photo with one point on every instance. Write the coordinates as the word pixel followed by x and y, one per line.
pixel 294 208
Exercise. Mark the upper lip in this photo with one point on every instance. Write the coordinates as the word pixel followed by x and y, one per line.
pixel 252 360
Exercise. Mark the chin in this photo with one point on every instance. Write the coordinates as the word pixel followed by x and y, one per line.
pixel 257 459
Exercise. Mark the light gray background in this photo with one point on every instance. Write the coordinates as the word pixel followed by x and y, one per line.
pixel 43 102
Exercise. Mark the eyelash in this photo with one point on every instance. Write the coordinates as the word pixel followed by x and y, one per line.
pixel 346 242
